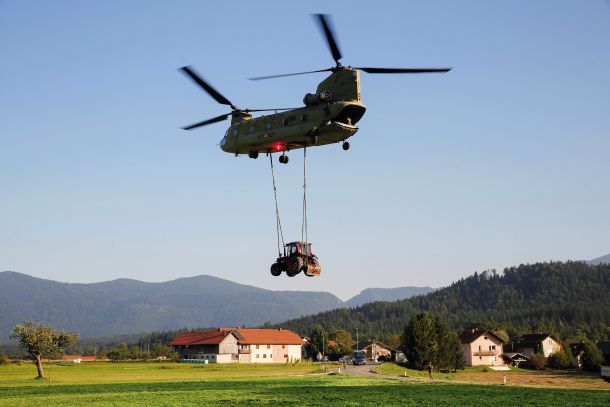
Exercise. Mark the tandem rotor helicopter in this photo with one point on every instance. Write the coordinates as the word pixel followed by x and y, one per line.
pixel 329 115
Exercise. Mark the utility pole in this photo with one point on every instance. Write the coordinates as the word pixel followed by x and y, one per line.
pixel 322 345
pixel 357 346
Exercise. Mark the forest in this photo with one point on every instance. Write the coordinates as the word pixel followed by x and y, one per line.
pixel 568 299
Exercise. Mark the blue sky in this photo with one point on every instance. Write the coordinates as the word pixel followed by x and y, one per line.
pixel 504 160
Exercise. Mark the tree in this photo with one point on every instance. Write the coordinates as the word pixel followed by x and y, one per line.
pixel 41 340
pixel 455 353
pixel 537 361
pixel 559 360
pixel 420 341
pixel 393 341
pixel 592 357
pixel 345 342
pixel 319 338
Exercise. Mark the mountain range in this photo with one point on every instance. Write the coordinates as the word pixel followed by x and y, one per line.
pixel 124 306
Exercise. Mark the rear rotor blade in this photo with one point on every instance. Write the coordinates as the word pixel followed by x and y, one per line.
pixel 404 70
pixel 209 89
pixel 330 38
pixel 259 78
pixel 209 121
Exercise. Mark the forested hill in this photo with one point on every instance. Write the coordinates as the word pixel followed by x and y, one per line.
pixel 563 298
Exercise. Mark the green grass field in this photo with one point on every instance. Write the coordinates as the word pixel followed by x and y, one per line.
pixel 160 384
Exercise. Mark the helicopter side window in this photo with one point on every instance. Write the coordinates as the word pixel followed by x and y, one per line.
pixel 304 118
pixel 285 122
pixel 268 126
pixel 251 129
pixel 235 132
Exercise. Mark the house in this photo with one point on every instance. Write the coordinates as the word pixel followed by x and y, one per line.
pixel 528 343
pixel 236 345
pixel 514 358
pixel 218 346
pixel 375 350
pixel 268 345
pixel 482 347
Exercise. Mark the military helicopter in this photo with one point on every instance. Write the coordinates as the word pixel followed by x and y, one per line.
pixel 329 115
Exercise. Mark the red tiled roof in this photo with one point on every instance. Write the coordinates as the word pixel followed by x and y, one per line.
pixel 200 338
pixel 268 337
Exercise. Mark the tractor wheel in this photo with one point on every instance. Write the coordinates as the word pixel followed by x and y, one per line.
pixel 295 264
pixel 275 270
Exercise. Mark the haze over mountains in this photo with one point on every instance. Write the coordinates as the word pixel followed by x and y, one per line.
pixel 125 306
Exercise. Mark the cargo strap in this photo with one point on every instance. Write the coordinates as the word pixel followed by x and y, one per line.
pixel 304 221
pixel 278 223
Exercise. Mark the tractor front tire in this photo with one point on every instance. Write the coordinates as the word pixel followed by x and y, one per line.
pixel 295 265
pixel 275 270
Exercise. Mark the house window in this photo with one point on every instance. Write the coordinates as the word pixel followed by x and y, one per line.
pixel 264 356
pixel 492 347
pixel 285 356
pixel 257 355
pixel 485 337
pixel 268 346
pixel 283 346
pixel 256 346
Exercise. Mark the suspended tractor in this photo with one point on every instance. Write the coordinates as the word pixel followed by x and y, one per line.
pixel 297 257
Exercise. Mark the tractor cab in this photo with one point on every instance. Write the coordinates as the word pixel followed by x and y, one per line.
pixel 295 248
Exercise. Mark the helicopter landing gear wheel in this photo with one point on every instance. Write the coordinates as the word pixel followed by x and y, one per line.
pixel 284 159
pixel 345 145
pixel 253 154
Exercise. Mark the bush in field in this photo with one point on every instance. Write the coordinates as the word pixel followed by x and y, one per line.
pixel 592 357
pixel 537 361
pixel 559 360
pixel 3 359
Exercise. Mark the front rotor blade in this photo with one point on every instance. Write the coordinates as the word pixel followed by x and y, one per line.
pixel 209 121
pixel 211 91
pixel 404 70
pixel 259 78
pixel 330 38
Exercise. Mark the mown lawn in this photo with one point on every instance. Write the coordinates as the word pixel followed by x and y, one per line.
pixel 153 385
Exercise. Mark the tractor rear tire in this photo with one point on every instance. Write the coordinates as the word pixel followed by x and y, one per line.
pixel 295 265
pixel 275 270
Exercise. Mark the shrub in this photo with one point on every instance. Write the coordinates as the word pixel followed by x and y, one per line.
pixel 3 359
pixel 559 360
pixel 537 361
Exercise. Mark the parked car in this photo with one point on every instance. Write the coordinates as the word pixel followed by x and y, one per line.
pixel 359 358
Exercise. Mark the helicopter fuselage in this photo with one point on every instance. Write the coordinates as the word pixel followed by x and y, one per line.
pixel 329 116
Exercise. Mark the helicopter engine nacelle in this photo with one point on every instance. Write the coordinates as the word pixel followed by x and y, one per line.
pixel 312 99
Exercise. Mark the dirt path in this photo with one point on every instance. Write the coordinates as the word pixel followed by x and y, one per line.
pixel 577 380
